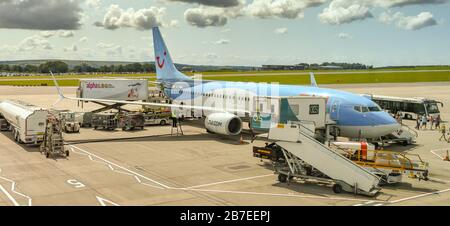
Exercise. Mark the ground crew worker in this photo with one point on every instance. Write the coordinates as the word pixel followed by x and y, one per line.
pixel 443 131
pixel 174 120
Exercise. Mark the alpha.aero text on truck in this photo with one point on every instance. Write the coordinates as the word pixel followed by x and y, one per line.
pixel 26 121
pixel 113 89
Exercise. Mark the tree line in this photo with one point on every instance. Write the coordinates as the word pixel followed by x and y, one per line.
pixel 62 67
pixel 343 65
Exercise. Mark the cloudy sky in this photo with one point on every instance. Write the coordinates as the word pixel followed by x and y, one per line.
pixel 229 32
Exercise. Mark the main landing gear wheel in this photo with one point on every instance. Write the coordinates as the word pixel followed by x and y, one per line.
pixel 337 188
pixel 282 178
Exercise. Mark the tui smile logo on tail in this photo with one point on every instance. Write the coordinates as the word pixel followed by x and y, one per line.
pixel 161 65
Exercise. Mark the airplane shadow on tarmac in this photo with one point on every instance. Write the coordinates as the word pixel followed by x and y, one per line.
pixel 166 138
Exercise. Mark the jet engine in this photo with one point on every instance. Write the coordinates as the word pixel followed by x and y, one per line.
pixel 223 123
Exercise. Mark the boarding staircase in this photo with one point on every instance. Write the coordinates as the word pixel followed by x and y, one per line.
pixel 300 147
pixel 405 134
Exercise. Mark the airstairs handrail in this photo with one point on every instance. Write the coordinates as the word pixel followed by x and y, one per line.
pixel 411 130
pixel 337 154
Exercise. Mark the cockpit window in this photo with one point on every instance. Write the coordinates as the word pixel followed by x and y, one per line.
pixel 375 109
pixel 367 109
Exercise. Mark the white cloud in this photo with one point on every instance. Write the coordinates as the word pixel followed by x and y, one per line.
pixel 398 3
pixel 40 14
pixel 281 31
pixel 222 42
pixel 65 34
pixel 216 3
pixel 343 35
pixel 94 3
pixel 345 11
pixel 111 49
pixel 72 48
pixel 33 43
pixel 84 39
pixel 422 20
pixel 290 9
pixel 142 19
pixel 226 30
pixel 47 34
pixel 204 17
pixel 174 23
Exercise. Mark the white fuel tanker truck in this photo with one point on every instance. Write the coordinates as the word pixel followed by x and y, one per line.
pixel 26 121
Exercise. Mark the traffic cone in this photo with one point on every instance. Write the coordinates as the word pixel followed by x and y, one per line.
pixel 447 157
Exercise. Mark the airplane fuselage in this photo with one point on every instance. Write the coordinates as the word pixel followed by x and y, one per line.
pixel 355 116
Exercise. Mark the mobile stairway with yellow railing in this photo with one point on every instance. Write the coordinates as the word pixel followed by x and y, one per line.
pixel 295 153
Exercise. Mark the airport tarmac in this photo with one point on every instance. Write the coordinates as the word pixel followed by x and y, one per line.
pixel 151 167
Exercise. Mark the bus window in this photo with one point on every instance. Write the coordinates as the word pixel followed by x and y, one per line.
pixel 432 108
pixel 419 109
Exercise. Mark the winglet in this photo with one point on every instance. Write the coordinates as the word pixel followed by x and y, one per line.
pixel 313 79
pixel 60 93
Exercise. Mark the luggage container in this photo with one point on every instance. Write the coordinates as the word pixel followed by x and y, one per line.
pixel 84 118
pixel 131 121
pixel 105 121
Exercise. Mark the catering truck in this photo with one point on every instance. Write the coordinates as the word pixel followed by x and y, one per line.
pixel 26 121
pixel 114 89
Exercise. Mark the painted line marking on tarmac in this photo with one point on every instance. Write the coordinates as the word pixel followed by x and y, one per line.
pixel 433 178
pixel 420 196
pixel 195 188
pixel 128 172
pixel 369 203
pixel 104 201
pixel 269 194
pixel 90 155
pixel 434 153
pixel 13 189
pixel 12 199
pixel 439 150
pixel 229 181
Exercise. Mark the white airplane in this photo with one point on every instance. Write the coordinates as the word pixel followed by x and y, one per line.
pixel 355 116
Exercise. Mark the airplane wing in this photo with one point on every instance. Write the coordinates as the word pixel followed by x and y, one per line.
pixel 193 107
pixel 313 79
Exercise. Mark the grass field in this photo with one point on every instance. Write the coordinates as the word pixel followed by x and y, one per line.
pixel 346 78
pixel 334 78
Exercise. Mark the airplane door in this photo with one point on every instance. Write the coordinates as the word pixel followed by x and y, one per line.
pixel 334 112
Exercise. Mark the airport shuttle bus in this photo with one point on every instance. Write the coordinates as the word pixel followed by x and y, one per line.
pixel 410 108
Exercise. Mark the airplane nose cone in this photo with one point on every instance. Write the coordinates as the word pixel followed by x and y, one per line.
pixel 389 128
